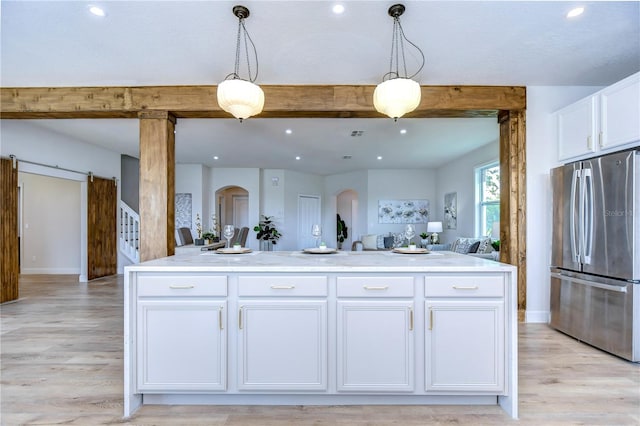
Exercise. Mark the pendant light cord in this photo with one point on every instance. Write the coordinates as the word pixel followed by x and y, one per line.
pixel 242 31
pixel 397 47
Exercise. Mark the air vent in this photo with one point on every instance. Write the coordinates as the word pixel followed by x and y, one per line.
pixel 346 157
pixel 356 133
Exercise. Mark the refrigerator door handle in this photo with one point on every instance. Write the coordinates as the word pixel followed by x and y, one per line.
pixel 618 289
pixel 572 215
pixel 587 221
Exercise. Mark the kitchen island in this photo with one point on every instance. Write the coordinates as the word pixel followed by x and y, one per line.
pixel 292 328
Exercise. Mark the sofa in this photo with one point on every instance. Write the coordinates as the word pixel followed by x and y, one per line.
pixel 477 247
pixel 372 242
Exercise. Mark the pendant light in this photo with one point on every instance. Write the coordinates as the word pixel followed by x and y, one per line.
pixel 237 96
pixel 398 94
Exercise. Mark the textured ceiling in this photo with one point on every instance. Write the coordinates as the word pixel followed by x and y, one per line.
pixel 57 43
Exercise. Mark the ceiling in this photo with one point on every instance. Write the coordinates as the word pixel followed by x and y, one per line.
pixel 58 43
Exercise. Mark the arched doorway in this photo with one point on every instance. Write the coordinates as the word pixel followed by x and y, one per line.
pixel 232 207
pixel 347 209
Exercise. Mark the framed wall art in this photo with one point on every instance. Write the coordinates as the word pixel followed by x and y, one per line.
pixel 403 211
pixel 451 210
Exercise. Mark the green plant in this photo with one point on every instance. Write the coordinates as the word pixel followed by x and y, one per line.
pixel 424 236
pixel 496 245
pixel 209 236
pixel 266 230
pixel 342 233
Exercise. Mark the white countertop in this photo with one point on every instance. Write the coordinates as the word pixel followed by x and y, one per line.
pixel 297 261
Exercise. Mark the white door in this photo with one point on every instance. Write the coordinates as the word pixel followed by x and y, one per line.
pixel 183 345
pixel 240 211
pixel 375 346
pixel 282 345
pixel 464 345
pixel 308 215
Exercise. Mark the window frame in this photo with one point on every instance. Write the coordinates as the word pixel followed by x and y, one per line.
pixel 481 204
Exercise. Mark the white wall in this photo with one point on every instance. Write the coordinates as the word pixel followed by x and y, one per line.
pixel 398 184
pixel 459 176
pixel 357 181
pixel 50 235
pixel 30 142
pixel 542 156
pixel 246 178
pixel 295 184
pixel 189 181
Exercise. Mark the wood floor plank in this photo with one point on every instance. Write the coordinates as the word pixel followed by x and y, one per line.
pixel 61 362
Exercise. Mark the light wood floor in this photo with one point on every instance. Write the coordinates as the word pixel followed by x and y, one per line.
pixel 62 363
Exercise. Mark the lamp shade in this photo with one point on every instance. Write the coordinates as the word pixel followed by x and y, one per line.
pixel 434 227
pixel 240 98
pixel 396 97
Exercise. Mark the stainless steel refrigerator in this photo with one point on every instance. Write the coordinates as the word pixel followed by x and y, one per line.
pixel 595 259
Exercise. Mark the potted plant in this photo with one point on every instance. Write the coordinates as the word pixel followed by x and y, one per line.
pixel 208 237
pixel 341 232
pixel 424 239
pixel 267 232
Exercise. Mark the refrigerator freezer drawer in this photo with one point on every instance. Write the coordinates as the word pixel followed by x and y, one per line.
pixel 596 313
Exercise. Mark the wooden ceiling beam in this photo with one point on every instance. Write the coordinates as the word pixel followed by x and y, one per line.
pixel 309 101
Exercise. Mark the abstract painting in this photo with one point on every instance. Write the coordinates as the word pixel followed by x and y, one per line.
pixel 183 211
pixel 451 210
pixel 403 211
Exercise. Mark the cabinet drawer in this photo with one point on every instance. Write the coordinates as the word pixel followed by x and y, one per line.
pixel 182 285
pixel 282 285
pixel 463 286
pixel 375 287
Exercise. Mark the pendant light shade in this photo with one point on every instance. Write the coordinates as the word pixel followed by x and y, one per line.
pixel 398 94
pixel 240 97
pixel 396 97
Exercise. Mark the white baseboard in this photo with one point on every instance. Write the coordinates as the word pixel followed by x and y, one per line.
pixel 537 317
pixel 50 271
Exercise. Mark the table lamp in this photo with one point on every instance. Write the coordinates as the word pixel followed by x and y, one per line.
pixel 434 228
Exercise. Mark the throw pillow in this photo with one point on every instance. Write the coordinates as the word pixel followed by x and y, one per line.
pixel 462 245
pixel 370 242
pixel 485 246
pixel 380 242
pixel 388 242
pixel 474 247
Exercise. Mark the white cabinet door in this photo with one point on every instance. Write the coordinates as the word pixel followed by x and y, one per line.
pixel 375 346
pixel 282 345
pixel 182 345
pixel 620 113
pixel 464 345
pixel 576 129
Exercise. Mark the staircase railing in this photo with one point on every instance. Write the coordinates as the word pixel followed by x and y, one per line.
pixel 129 232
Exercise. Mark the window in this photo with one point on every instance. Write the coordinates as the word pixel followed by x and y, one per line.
pixel 487 198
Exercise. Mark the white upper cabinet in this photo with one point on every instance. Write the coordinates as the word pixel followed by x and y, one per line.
pixel 576 128
pixel 620 113
pixel 606 121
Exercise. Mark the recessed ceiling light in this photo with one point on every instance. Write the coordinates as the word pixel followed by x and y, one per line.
pixel 379 157
pixel 297 157
pixel 215 157
pixel 96 10
pixel 403 131
pixel 575 12
pixel 288 131
pixel 338 9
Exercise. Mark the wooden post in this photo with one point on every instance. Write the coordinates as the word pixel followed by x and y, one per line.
pixel 157 185
pixel 9 266
pixel 513 225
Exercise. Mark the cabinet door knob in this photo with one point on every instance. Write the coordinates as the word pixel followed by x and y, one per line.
pixel 240 317
pixel 283 287
pixel 220 318
pixel 430 318
pixel 181 287
pixel 459 287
